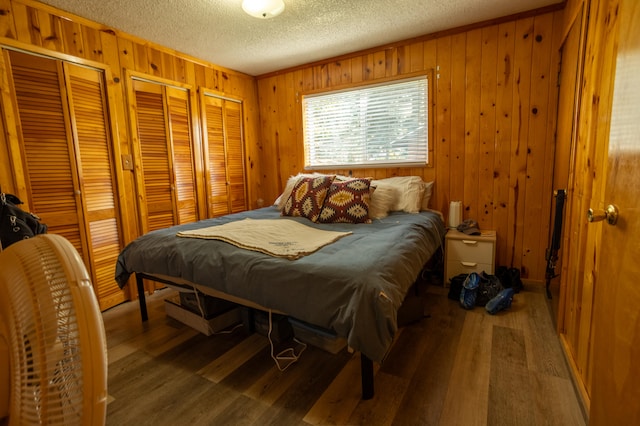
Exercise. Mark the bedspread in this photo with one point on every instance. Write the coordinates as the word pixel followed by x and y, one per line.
pixel 353 286
pixel 276 237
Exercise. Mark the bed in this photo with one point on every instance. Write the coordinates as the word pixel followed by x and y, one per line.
pixel 353 286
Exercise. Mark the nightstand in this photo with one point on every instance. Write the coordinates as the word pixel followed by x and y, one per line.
pixel 464 253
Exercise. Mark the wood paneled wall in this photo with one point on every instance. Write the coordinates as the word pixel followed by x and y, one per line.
pixel 35 26
pixel 494 112
pixel 495 119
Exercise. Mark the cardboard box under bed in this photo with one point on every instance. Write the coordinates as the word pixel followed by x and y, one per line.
pixel 210 315
pixel 205 325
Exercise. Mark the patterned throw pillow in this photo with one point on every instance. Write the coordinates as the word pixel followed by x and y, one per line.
pixel 307 197
pixel 347 202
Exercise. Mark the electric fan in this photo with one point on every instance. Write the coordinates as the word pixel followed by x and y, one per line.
pixel 53 360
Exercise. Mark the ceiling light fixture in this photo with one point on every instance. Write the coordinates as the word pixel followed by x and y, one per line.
pixel 263 9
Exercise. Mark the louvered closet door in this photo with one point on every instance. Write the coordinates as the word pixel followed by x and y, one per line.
pixel 165 152
pixel 97 177
pixel 48 152
pixel 224 148
pixel 180 127
pixel 218 200
pixel 68 162
pixel 159 210
pixel 235 156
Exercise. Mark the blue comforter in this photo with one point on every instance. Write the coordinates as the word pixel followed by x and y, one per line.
pixel 353 286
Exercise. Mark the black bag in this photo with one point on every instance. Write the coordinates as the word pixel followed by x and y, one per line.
pixel 489 288
pixel 15 223
pixel 455 287
pixel 510 278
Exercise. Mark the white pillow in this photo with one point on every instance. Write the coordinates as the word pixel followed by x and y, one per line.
pixel 400 193
pixel 426 197
pixel 291 182
pixel 408 192
pixel 383 198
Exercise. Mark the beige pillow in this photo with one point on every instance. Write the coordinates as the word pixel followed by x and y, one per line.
pixel 382 200
pixel 426 197
pixel 399 193
pixel 408 192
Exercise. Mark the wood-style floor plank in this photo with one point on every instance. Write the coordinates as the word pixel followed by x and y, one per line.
pixel 469 380
pixel 423 403
pixel 509 388
pixel 554 401
pixel 335 405
pixel 381 409
pixel 221 367
pixel 453 367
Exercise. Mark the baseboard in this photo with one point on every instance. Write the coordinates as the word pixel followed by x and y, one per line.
pixel 583 396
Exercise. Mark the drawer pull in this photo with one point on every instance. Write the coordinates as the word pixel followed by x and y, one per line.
pixel 470 242
pixel 469 264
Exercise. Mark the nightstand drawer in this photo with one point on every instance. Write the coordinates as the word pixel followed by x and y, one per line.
pixel 470 250
pixel 455 267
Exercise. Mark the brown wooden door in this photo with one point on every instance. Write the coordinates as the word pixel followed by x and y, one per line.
pixel 182 150
pixel 66 150
pixel 166 179
pixel 235 157
pixel 96 172
pixel 48 153
pixel 616 365
pixel 580 250
pixel 224 154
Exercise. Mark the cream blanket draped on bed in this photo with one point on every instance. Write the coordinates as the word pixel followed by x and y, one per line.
pixel 276 237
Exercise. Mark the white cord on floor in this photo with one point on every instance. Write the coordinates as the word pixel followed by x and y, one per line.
pixel 290 356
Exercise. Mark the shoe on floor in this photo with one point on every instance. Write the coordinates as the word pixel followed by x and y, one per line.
pixel 469 291
pixel 514 277
pixel 501 301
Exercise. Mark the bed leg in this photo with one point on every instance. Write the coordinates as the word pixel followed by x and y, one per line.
pixel 141 298
pixel 366 371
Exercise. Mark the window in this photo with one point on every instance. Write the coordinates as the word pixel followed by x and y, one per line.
pixel 375 125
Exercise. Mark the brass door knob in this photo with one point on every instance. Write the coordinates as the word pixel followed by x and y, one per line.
pixel 610 214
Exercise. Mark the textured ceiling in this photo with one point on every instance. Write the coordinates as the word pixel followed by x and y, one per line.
pixel 218 31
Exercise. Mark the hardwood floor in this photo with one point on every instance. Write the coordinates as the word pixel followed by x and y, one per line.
pixel 453 367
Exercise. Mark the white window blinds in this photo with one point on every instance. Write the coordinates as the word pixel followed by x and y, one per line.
pixel 367 126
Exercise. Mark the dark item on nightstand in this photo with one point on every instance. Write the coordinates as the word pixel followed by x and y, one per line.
pixel 469 227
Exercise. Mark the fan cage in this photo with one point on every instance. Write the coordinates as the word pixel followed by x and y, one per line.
pixel 48 363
